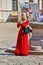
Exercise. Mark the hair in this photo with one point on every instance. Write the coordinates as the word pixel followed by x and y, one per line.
pixel 23 13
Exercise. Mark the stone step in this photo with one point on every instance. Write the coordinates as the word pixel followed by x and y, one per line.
pixel 9 51
pixel 4 53
pixel 31 52
pixel 12 18
pixel 37 41
pixel 39 52
pixel 35 48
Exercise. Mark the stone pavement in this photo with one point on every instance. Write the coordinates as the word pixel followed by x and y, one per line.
pixel 8 36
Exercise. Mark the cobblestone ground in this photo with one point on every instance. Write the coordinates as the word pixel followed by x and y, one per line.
pixel 8 36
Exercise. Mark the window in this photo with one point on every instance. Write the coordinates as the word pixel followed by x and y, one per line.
pixel 30 0
pixel 15 5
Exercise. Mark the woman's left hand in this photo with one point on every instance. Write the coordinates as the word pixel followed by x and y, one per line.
pixel 18 24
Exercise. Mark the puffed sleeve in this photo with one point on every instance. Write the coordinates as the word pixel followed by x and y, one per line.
pixel 25 24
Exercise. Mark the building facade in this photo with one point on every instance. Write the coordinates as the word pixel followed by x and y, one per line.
pixel 12 8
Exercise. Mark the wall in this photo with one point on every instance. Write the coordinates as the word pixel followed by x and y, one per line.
pixel 5 5
pixel 19 9
pixel 35 1
pixel 8 7
pixel 0 11
pixel 40 4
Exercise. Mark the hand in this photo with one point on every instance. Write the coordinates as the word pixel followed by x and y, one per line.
pixel 18 24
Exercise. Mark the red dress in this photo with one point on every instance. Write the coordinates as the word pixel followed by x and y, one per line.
pixel 22 47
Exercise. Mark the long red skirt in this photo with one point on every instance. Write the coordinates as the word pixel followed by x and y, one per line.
pixel 22 47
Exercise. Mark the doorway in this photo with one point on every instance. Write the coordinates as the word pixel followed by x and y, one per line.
pixel 15 5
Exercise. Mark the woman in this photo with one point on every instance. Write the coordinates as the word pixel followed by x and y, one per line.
pixel 22 47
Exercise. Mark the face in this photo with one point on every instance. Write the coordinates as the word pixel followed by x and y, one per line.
pixel 23 17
